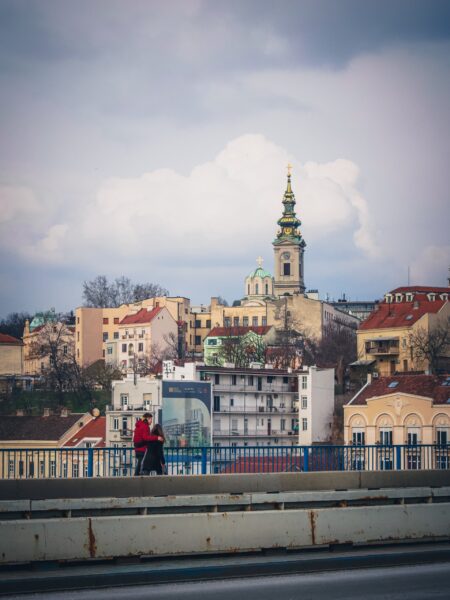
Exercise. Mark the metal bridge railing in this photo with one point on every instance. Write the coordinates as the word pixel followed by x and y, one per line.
pixel 120 462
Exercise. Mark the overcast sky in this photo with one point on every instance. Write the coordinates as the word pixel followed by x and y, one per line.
pixel 150 139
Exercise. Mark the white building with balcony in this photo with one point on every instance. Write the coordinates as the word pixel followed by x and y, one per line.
pixel 131 398
pixel 264 406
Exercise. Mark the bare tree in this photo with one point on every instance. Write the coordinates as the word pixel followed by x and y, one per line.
pixel 100 293
pixel 54 345
pixel 337 347
pixel 432 347
pixel 14 324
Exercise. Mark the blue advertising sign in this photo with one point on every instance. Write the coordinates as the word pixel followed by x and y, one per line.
pixel 186 413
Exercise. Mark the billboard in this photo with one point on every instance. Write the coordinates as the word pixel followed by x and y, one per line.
pixel 186 413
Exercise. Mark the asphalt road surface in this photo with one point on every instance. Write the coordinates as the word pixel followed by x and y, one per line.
pixel 418 582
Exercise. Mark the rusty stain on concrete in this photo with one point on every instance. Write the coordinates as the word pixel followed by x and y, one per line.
pixel 92 541
pixel 312 519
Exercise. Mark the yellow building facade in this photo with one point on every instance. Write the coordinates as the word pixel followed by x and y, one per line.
pixel 408 410
pixel 386 337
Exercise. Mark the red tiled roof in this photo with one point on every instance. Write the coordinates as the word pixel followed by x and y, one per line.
pixel 142 316
pixel 428 386
pixel 96 428
pixel 237 331
pixel 421 289
pixel 8 339
pixel 396 314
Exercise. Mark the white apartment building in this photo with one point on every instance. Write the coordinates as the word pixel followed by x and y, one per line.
pixel 131 398
pixel 265 407
pixel 316 405
pixel 140 335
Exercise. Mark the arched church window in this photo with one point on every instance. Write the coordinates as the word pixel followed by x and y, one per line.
pixel 286 268
pixel 248 289
pixel 267 289
pixel 256 289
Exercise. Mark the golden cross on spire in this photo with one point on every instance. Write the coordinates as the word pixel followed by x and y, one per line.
pixel 289 167
pixel 259 261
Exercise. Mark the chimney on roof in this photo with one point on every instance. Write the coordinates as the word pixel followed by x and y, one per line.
pixel 20 412
pixel 369 378
pixel 46 412
pixel 64 412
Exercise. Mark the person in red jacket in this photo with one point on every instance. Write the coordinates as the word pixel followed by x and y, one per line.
pixel 141 437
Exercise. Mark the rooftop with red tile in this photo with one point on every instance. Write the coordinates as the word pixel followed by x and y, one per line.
pixel 401 314
pixel 427 386
pixel 142 316
pixel 96 428
pixel 9 339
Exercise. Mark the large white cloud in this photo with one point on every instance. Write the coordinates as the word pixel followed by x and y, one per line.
pixel 222 210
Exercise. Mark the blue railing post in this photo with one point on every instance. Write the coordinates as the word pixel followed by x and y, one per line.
pixel 305 459
pixel 90 464
pixel 398 458
pixel 204 459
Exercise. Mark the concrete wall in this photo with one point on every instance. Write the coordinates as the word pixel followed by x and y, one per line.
pixel 11 359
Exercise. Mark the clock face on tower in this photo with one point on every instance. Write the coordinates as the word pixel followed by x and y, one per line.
pixel 286 255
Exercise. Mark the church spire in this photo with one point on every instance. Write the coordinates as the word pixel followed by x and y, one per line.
pixel 289 223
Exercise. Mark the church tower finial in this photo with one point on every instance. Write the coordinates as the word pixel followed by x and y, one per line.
pixel 289 247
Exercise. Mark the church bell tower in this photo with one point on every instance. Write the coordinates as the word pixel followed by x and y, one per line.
pixel 289 248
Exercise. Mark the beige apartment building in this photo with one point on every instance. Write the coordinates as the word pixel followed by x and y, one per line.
pixel 95 327
pixel 385 338
pixel 11 355
pixel 59 336
pixel 402 409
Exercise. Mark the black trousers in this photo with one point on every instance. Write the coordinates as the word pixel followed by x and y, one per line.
pixel 139 459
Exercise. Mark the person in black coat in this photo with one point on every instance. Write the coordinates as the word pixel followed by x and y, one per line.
pixel 154 460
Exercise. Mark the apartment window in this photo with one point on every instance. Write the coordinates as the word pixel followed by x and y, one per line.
pixel 53 468
pixel 198 340
pixel 386 437
pixel 216 425
pixel 285 379
pixel 147 400
pixel 198 323
pixel 116 424
pixel 231 401
pixel 123 399
pixel 110 350
pixel 358 437
pixel 116 320
pixel 250 380
pixel 282 424
pixel 227 322
pixel 304 382
pixel 11 467
pixel 124 347
pixel 216 403
pixel 304 402
pixel 42 468
pixel 305 424
pixel 413 437
pixel 103 353
pixel 245 321
pixel 233 380
pixel 255 321
pixel 208 323
pixel 75 470
pixel 105 321
pixel 64 349
pixel 264 321
pixel 234 425
pixel 140 347
pixel 105 336
pixel 78 353
pixel 116 335
pixel 217 378
pixel 78 320
pixel 286 268
pixel 270 379
pixel 78 336
pixel 442 437
pixel 236 321
pixel 64 470
pixel 124 425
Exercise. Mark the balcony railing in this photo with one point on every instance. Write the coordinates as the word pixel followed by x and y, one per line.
pixel 62 463
pixel 387 348
pixel 256 409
